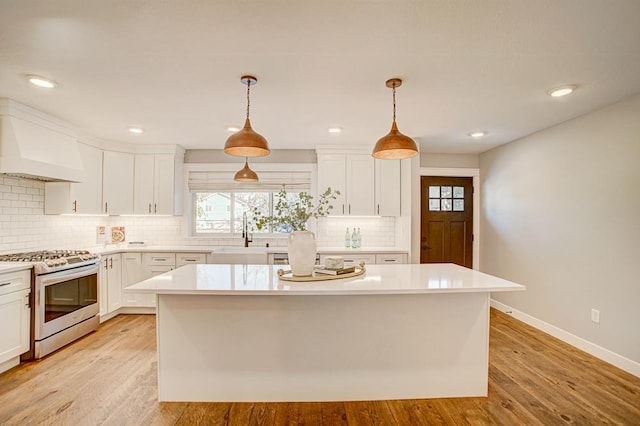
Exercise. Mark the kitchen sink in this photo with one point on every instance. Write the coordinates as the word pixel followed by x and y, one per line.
pixel 239 255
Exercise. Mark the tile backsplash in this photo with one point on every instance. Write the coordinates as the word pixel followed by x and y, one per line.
pixel 25 227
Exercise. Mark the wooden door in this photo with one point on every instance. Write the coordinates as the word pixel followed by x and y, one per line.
pixel 446 220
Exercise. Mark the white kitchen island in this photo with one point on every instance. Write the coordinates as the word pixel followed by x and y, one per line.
pixel 239 333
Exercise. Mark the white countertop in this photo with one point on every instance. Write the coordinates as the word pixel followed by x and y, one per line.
pixel 378 279
pixel 14 266
pixel 123 248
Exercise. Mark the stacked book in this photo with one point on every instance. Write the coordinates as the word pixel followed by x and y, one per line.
pixel 334 271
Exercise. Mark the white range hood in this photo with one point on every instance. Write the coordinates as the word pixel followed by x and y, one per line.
pixel 37 146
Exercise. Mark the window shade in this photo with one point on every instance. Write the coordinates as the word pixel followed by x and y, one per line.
pixel 203 181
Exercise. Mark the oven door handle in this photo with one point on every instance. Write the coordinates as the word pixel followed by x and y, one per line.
pixel 61 276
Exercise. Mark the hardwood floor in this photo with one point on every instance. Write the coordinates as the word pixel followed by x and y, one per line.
pixel 109 377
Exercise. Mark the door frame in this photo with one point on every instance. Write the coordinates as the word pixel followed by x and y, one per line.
pixel 463 172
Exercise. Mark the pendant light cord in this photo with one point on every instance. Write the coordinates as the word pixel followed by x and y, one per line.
pixel 248 99
pixel 394 102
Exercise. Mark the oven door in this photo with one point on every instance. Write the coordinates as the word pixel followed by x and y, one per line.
pixel 64 299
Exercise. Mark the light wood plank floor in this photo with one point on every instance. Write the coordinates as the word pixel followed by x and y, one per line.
pixel 109 377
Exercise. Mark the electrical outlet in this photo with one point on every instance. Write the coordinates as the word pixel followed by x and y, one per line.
pixel 595 316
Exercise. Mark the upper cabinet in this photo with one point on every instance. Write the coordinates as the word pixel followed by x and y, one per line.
pixel 157 184
pixel 84 197
pixel 352 175
pixel 120 182
pixel 367 187
pixel 117 182
pixel 387 187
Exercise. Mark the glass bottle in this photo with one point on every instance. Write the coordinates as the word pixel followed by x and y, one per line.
pixel 354 239
pixel 347 239
pixel 359 242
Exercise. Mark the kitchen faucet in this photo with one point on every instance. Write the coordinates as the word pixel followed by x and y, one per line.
pixel 245 230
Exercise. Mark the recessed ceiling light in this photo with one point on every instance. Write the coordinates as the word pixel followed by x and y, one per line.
pixel 136 130
pixel 233 128
pixel 478 135
pixel 562 90
pixel 41 81
pixel 334 129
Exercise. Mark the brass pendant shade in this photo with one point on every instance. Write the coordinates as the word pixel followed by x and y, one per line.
pixel 246 142
pixel 246 174
pixel 394 145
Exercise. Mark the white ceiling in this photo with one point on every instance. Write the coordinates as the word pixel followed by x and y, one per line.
pixel 174 67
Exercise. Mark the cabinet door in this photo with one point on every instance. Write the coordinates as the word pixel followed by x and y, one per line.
pixel 387 187
pixel 144 179
pixel 117 185
pixel 331 174
pixel 15 320
pixel 114 296
pixel 164 184
pixel 103 283
pixel 360 185
pixel 86 196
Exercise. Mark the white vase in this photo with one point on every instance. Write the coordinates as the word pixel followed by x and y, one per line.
pixel 302 252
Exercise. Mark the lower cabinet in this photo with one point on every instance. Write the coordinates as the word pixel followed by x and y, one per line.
pixel 138 267
pixel 110 285
pixel 351 259
pixel 15 314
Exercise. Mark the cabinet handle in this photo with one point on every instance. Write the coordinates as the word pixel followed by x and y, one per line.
pixel 378 209
pixel 155 208
pixel 149 208
pixel 189 260
pixel 159 259
pixel 343 209
pixel 28 304
pixel 3 284
pixel 106 205
pixel 388 260
pixel 349 208
pixel 111 263
pixel 75 206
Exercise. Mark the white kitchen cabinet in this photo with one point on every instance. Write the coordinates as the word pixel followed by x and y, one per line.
pixel 387 258
pixel 190 258
pixel 157 263
pixel 351 259
pixel 84 197
pixel 354 176
pixel 157 184
pixel 132 273
pixel 387 187
pixel 110 285
pixel 15 315
pixel 117 182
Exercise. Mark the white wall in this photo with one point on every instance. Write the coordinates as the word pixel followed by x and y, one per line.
pixel 561 214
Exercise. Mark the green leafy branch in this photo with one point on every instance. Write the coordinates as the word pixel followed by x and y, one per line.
pixel 293 214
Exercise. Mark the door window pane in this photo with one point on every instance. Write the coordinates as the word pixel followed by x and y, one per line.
pixel 446 205
pixel 458 205
pixel 434 205
pixel 445 192
pixel 434 192
pixel 458 192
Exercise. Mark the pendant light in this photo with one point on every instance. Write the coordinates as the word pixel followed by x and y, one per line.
pixel 246 174
pixel 394 145
pixel 246 142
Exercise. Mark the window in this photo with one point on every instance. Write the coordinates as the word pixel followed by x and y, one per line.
pixel 222 212
pixel 446 198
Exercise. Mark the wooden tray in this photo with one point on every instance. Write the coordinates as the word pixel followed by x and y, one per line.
pixel 288 276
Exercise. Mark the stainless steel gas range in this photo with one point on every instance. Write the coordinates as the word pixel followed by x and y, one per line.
pixel 65 297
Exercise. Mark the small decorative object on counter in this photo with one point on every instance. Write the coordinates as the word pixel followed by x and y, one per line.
pixel 354 239
pixel 359 242
pixel 334 262
pixel 339 271
pixel 347 239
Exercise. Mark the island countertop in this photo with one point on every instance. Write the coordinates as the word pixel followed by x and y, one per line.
pixel 378 279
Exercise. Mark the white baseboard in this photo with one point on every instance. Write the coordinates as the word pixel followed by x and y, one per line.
pixel 613 358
